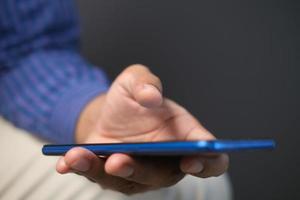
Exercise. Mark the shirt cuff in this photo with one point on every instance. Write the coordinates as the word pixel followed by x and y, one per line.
pixel 66 113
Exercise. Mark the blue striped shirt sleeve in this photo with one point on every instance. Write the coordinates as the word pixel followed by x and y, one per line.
pixel 44 82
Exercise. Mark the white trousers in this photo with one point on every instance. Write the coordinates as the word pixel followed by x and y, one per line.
pixel 26 174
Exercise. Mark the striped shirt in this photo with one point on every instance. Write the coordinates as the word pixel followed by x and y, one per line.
pixel 44 82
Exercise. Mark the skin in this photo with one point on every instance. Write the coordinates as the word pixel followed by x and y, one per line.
pixel 134 110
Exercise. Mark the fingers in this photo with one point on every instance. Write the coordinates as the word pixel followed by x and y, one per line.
pixel 83 161
pixel 156 172
pixel 205 166
pixel 62 167
pixel 142 85
pixel 87 164
pixel 121 172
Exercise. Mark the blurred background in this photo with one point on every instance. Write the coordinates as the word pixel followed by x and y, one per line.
pixel 234 64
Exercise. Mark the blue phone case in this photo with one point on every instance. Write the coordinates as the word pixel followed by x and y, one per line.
pixel 176 148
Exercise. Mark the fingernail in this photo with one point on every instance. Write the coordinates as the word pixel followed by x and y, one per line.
pixel 81 165
pixel 126 171
pixel 195 167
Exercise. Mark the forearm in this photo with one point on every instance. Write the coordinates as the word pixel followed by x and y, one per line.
pixel 48 91
pixel 44 82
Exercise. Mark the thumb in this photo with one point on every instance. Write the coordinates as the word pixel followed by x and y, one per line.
pixel 141 85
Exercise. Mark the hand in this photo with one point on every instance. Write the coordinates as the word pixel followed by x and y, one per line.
pixel 134 110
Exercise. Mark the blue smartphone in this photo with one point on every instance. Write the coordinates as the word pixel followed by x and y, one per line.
pixel 174 148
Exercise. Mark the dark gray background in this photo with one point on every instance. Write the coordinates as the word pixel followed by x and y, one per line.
pixel 234 64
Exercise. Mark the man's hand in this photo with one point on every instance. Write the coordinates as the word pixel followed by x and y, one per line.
pixel 134 110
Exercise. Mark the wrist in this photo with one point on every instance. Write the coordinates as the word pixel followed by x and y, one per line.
pixel 88 118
